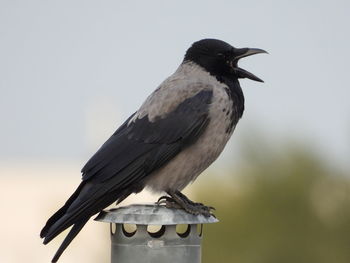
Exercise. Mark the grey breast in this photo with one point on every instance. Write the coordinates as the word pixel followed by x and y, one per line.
pixel 187 81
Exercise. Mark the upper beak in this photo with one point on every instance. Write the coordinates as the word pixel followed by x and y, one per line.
pixel 241 53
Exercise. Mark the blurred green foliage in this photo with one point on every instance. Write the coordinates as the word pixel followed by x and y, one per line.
pixel 280 207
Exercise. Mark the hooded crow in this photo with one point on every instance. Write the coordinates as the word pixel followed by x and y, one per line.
pixel 179 130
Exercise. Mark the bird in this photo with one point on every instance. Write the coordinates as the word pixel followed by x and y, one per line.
pixel 179 130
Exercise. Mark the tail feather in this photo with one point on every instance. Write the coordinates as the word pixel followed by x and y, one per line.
pixel 52 220
pixel 86 209
pixel 71 235
pixel 58 227
pixel 61 212
pixel 87 200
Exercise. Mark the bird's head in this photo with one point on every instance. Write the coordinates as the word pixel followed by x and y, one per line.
pixel 220 58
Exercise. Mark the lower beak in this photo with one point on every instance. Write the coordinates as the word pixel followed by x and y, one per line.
pixel 241 53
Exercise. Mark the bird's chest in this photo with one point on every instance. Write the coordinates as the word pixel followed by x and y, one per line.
pixel 220 127
pixel 191 161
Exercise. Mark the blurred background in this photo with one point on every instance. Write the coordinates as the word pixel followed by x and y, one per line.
pixel 72 71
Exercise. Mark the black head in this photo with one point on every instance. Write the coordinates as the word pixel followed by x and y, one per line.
pixel 220 58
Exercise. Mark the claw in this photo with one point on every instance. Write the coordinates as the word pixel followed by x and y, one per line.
pixel 161 202
pixel 167 201
pixel 164 197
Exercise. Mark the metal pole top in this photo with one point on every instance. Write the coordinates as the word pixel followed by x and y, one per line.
pixel 151 214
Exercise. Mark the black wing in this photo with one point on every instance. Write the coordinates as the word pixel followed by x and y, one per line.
pixel 134 151
pixel 180 127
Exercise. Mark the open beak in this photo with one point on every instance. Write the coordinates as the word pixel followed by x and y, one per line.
pixel 241 53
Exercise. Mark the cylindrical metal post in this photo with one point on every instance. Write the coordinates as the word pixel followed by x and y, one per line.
pixel 163 246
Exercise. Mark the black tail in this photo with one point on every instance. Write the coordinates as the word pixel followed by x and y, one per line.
pixel 71 235
pixel 55 225
pixel 89 198
pixel 61 212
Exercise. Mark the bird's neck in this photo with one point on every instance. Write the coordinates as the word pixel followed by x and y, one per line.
pixel 235 93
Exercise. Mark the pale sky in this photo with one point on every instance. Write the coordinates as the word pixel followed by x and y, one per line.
pixel 72 71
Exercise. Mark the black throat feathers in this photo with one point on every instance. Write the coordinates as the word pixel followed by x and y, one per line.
pixel 235 94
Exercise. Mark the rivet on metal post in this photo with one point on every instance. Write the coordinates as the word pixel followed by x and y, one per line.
pixel 140 245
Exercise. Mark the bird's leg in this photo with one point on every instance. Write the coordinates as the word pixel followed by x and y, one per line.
pixel 179 200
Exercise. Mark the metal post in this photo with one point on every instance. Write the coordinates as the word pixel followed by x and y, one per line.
pixel 162 246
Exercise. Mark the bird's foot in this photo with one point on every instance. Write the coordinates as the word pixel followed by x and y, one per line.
pixel 168 201
pixel 180 201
